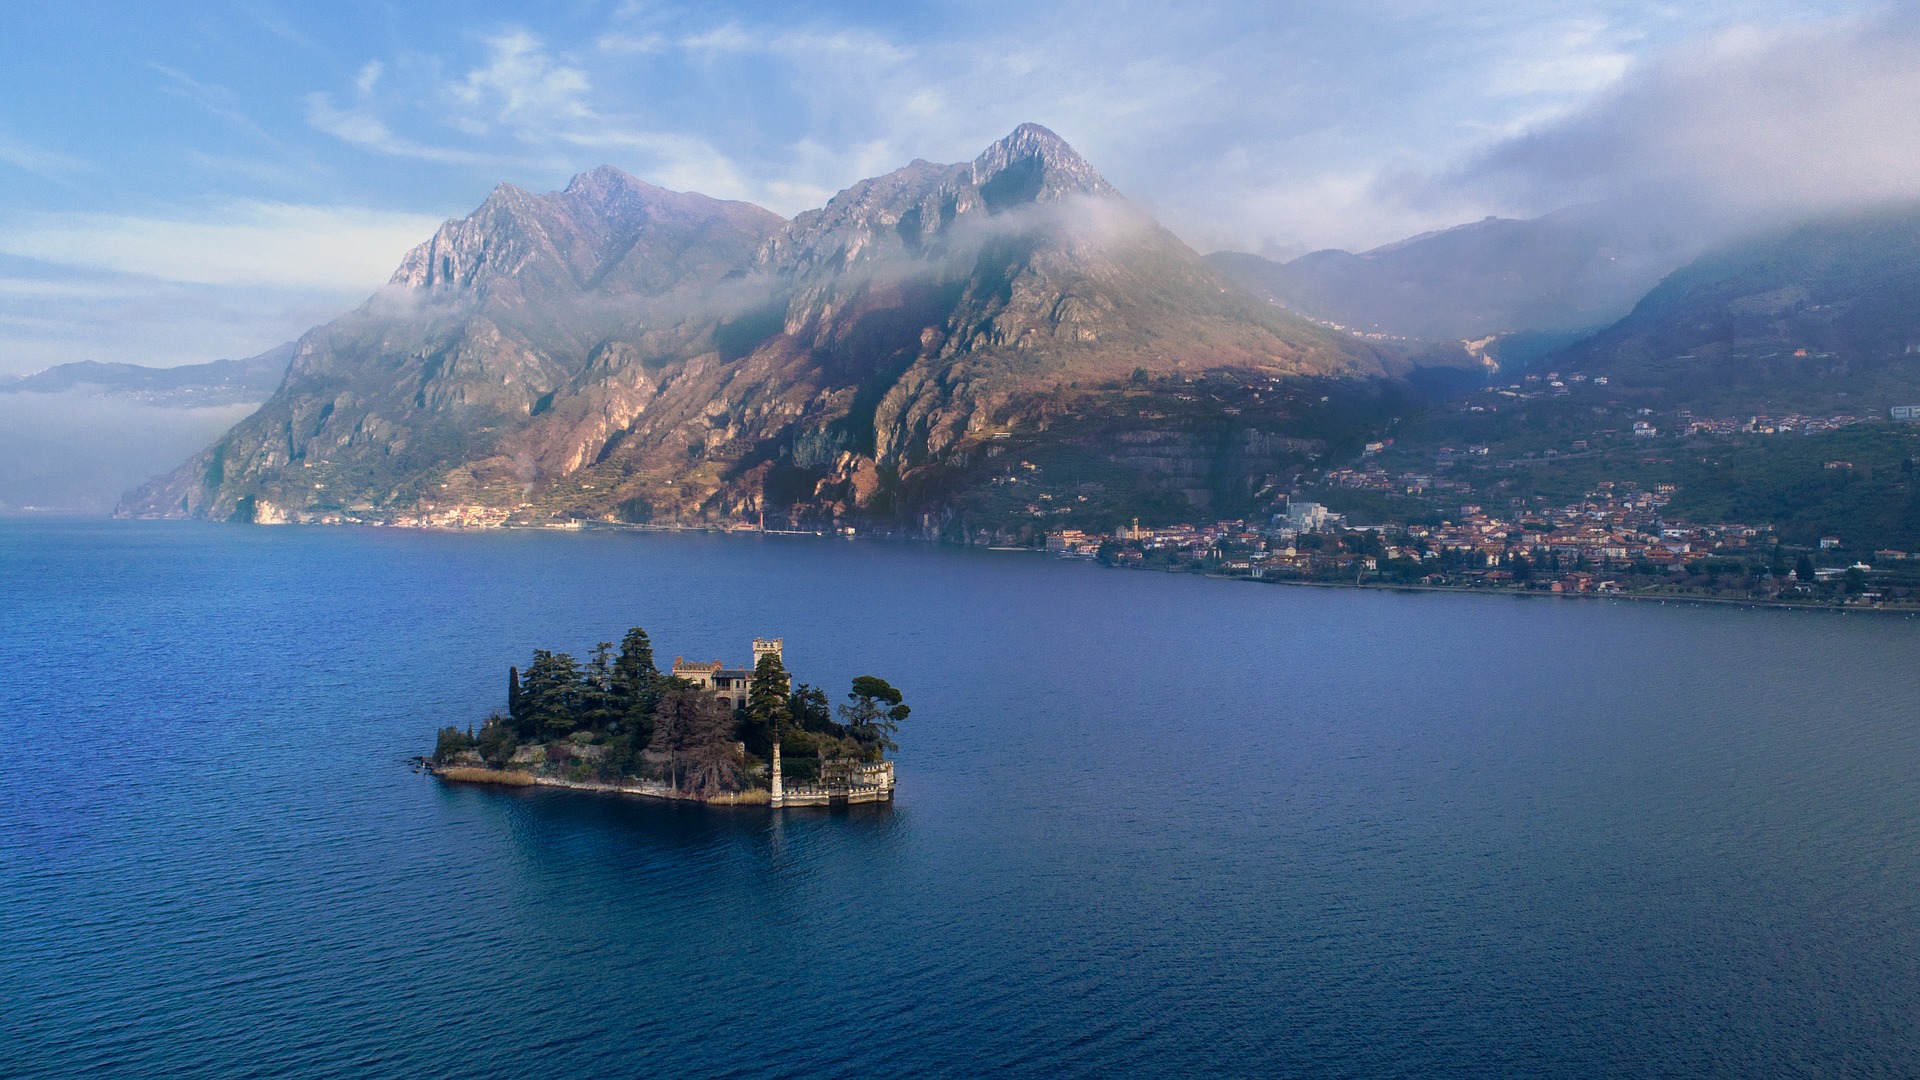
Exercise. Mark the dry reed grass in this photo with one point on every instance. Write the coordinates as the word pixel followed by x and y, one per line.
pixel 468 775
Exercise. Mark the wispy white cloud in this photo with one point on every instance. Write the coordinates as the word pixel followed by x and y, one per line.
pixel 1565 61
pixel 362 127
pixel 734 37
pixel 1238 124
pixel 215 99
pixel 38 160
pixel 269 173
pixel 246 244
pixel 623 44
pixel 522 84
pixel 542 106
pixel 729 37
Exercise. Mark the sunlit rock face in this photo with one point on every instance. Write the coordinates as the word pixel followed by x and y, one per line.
pixel 618 351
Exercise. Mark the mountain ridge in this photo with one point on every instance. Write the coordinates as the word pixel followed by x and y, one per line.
pixel 217 382
pixel 618 351
pixel 1580 268
pixel 1819 313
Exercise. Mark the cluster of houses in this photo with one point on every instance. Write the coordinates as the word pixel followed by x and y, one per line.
pixel 454 517
pixel 1375 478
pixel 1531 387
pixel 1790 424
pixel 1616 526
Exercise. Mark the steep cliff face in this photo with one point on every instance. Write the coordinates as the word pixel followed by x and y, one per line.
pixel 614 350
pixel 481 330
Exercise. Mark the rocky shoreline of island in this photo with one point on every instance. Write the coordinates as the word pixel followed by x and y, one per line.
pixel 483 776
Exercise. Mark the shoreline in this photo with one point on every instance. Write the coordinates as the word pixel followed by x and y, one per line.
pixel 1484 590
pixel 1542 594
pixel 798 796
pixel 482 777
pixel 722 530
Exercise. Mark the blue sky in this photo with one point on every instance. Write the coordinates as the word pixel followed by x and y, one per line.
pixel 188 181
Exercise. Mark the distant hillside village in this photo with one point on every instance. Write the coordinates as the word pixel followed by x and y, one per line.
pixel 1616 539
pixel 702 730
pixel 1551 501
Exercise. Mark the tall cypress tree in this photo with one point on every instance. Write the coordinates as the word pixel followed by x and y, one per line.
pixel 513 693
pixel 769 707
pixel 636 683
pixel 598 711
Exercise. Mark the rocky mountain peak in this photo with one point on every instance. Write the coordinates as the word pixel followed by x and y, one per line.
pixel 912 212
pixel 604 230
pixel 1034 165
pixel 605 180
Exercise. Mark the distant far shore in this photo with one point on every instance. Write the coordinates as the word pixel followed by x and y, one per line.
pixel 1542 594
pixel 1817 604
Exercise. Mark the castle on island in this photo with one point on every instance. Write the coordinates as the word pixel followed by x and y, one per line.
pixel 849 783
pixel 730 685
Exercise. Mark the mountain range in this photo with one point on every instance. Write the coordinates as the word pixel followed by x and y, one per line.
pixel 1824 315
pixel 618 351
pixel 1577 269
pixel 221 382
pixel 989 349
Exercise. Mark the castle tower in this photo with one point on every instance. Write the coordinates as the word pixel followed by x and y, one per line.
pixel 763 646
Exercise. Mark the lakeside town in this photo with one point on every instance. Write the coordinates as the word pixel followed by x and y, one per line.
pixel 1617 539
pixel 1574 502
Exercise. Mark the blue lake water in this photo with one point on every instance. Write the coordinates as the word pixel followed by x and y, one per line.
pixel 1147 823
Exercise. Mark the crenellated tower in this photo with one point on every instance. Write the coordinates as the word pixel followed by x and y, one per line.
pixel 763 646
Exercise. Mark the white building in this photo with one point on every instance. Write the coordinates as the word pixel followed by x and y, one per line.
pixel 1310 517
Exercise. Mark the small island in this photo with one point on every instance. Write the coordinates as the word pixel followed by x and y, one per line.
pixel 700 731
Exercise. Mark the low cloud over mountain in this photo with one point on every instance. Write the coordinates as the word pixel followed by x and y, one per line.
pixel 1749 124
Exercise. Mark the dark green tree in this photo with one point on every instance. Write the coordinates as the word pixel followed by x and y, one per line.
pixel 513 693
pixel 1803 569
pixel 550 695
pixel 597 709
pixel 874 714
pixel 769 708
pixel 812 712
pixel 495 741
pixel 451 742
pixel 636 684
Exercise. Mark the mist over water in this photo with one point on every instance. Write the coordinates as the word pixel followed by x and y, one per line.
pixel 77 452
pixel 1151 824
